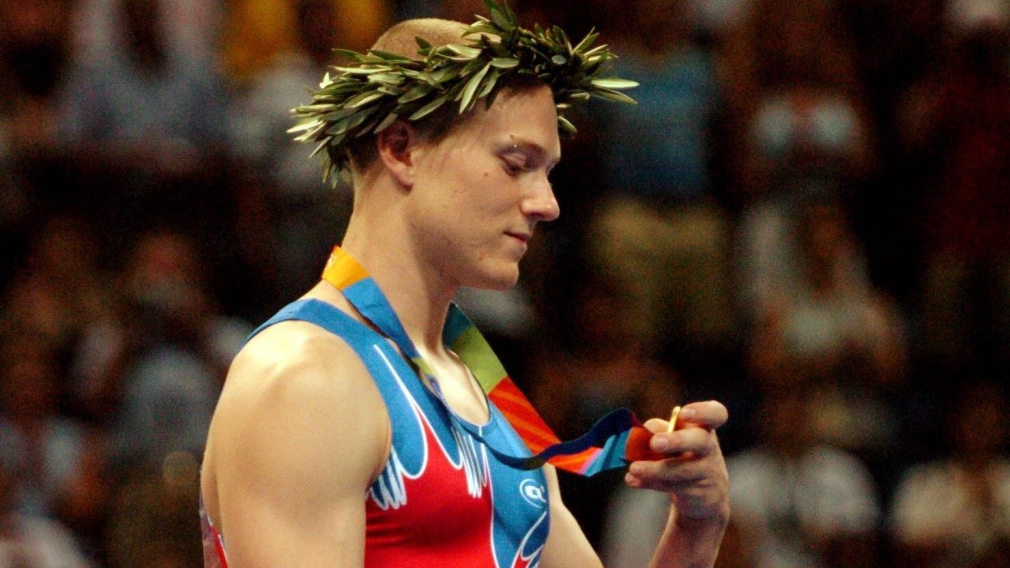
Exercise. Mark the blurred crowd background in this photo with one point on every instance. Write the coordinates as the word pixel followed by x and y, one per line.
pixel 805 217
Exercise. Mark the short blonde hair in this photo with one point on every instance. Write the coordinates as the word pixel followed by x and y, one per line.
pixel 401 40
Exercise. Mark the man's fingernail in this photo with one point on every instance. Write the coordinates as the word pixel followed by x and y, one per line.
pixel 688 413
pixel 659 443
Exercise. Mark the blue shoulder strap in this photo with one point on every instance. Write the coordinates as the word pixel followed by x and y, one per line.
pixel 358 335
pixel 387 368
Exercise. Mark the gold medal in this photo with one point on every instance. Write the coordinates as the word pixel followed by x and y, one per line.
pixel 673 419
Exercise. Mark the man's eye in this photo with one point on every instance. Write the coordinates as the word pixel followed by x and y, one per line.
pixel 512 167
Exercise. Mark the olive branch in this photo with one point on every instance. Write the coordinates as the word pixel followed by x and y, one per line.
pixel 378 87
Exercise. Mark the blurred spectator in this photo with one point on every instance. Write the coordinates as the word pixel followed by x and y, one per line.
pixel 147 107
pixel 956 121
pixel 955 512
pixel 807 504
pixel 660 148
pixel 257 31
pixel 151 371
pixel 288 219
pixel 895 44
pixel 34 43
pixel 54 464
pixel 791 85
pixel 57 295
pixel 778 44
pixel 152 522
pixel 805 141
pixel 61 288
pixel 179 354
pixel 261 114
pixel 192 28
pixel 674 263
pixel 801 134
pixel 817 317
pixel 32 541
pixel 144 126
pixel 716 19
pixel 659 231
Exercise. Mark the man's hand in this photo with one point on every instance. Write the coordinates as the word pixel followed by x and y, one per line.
pixel 694 471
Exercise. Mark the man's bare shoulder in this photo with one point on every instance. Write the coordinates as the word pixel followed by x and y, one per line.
pixel 296 369
pixel 292 351
pixel 299 433
pixel 292 385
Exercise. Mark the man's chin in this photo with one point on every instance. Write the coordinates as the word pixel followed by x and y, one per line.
pixel 502 279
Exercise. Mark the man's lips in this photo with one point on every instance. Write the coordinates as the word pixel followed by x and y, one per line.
pixel 524 237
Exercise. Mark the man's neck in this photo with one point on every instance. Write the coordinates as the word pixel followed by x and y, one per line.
pixel 418 296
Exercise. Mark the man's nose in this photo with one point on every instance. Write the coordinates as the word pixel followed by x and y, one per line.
pixel 541 204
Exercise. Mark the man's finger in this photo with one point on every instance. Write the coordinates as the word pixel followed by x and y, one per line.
pixel 697 441
pixel 708 415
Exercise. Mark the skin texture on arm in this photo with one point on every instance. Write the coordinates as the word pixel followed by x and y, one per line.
pixel 299 433
pixel 567 546
pixel 695 477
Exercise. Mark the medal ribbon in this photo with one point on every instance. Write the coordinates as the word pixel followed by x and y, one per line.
pixel 617 439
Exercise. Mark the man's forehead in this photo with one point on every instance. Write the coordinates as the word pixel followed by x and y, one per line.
pixel 528 116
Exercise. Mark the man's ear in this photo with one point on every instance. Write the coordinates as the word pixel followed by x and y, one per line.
pixel 395 144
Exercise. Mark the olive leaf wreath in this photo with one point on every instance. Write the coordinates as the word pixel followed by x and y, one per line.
pixel 378 87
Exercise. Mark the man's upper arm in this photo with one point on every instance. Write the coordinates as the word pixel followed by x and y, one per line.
pixel 567 546
pixel 298 434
